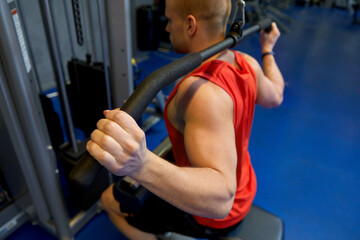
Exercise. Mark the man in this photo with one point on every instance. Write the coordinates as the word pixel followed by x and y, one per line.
pixel 208 117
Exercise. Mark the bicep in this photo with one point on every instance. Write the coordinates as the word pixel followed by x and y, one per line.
pixel 266 91
pixel 209 131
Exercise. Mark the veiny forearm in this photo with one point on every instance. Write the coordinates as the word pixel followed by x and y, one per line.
pixel 198 191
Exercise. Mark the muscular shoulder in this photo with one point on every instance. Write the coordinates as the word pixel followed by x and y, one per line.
pixel 252 61
pixel 198 98
pixel 254 64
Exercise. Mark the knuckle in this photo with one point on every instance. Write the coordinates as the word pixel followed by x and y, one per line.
pixel 119 115
pixel 92 135
pixel 105 140
pixel 140 135
pixel 132 146
pixel 88 146
pixel 102 156
pixel 124 119
pixel 108 126
pixel 100 123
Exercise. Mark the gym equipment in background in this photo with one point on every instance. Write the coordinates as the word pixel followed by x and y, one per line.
pixel 28 49
pixel 87 93
pixel 148 27
pixel 89 98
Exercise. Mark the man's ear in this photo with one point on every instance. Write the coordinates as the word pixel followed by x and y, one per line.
pixel 191 25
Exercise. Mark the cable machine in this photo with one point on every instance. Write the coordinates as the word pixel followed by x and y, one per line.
pixel 32 180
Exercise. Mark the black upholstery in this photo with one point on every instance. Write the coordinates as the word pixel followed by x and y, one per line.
pixel 259 224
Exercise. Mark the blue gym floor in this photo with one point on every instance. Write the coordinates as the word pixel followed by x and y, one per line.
pixel 306 153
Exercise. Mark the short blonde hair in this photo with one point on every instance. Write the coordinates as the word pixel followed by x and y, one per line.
pixel 217 12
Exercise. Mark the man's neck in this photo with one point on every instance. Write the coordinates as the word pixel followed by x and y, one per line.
pixel 202 41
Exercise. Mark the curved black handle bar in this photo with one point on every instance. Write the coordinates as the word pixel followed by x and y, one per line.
pixel 136 104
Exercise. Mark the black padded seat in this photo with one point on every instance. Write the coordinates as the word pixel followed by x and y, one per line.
pixel 259 224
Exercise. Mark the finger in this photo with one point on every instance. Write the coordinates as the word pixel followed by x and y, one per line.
pixel 107 143
pixel 106 111
pixel 114 139
pixel 275 29
pixel 274 26
pixel 124 120
pixel 113 130
pixel 102 156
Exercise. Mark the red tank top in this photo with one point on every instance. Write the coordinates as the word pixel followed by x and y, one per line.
pixel 240 84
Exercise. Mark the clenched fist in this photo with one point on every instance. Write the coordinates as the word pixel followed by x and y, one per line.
pixel 118 143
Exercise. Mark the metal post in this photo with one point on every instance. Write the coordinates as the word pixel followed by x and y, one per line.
pixel 17 140
pixel 56 61
pixel 67 10
pixel 32 122
pixel 120 47
pixel 105 54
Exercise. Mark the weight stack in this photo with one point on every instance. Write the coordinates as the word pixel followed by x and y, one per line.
pixel 87 93
pixel 148 23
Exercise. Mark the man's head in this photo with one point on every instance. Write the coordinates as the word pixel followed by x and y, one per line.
pixel 194 21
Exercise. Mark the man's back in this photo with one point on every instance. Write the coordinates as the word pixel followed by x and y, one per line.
pixel 233 77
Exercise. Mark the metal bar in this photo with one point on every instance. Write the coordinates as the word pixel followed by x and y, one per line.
pixel 120 49
pixel 147 90
pixel 32 60
pixel 10 226
pixel 211 51
pixel 82 218
pixel 105 55
pixel 67 19
pixel 89 26
pixel 32 123
pixel 56 61
pixel 103 31
pixel 17 139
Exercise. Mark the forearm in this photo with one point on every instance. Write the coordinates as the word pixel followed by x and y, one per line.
pixel 272 72
pixel 270 67
pixel 198 191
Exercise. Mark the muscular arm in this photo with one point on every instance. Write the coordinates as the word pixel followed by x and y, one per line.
pixel 269 78
pixel 208 187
